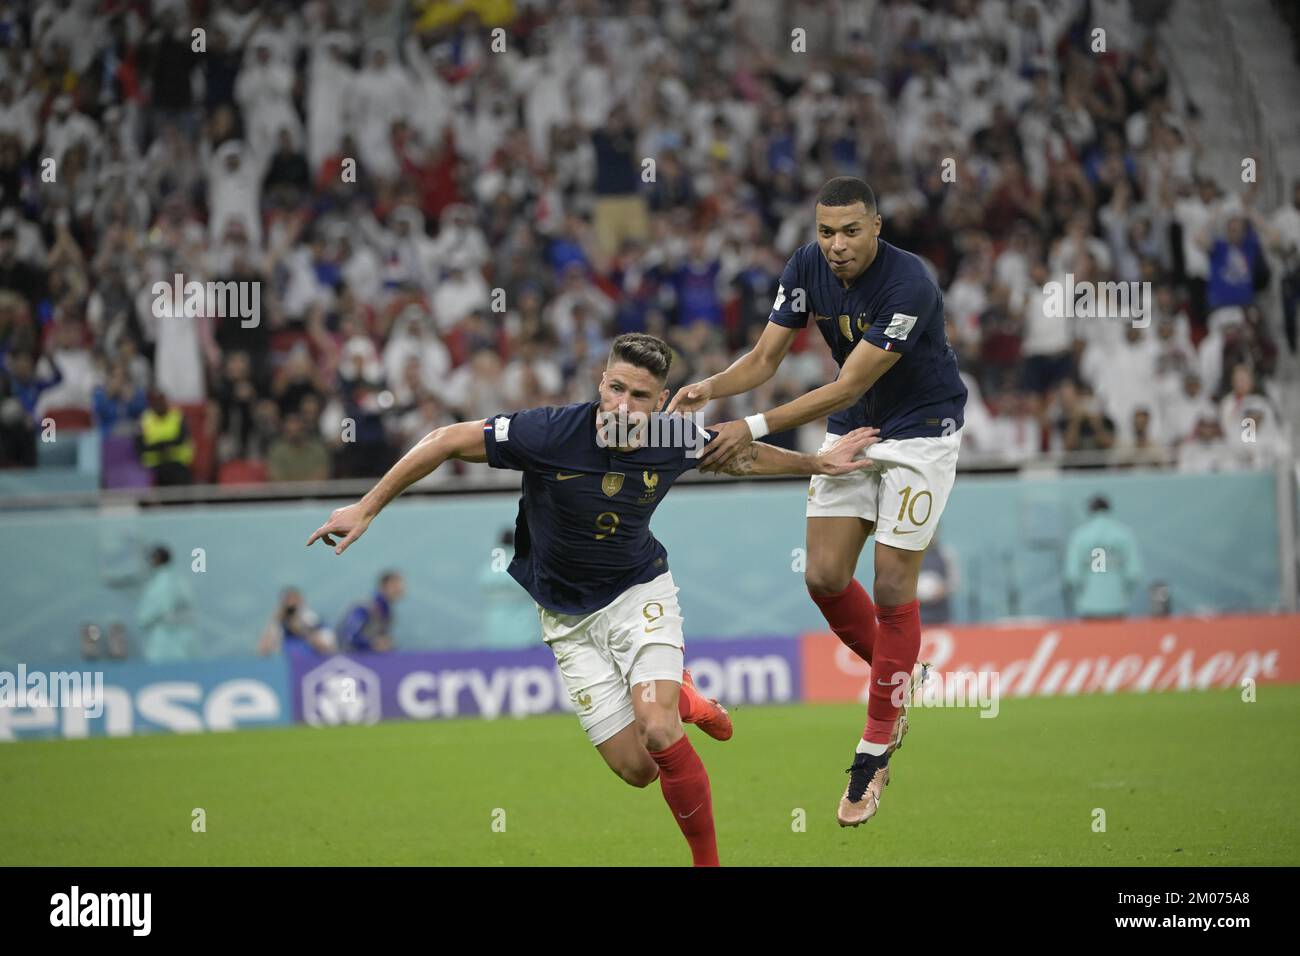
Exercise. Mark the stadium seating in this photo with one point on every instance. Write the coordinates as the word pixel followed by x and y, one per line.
pixel 242 472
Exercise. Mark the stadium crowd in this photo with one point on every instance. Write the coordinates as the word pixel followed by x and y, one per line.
pixel 449 209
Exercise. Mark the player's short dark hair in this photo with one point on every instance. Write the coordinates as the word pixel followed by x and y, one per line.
pixel 845 191
pixel 387 576
pixel 644 351
pixel 1098 503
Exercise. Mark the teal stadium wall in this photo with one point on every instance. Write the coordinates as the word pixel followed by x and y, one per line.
pixel 732 549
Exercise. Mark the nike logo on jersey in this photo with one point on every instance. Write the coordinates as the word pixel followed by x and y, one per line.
pixel 561 476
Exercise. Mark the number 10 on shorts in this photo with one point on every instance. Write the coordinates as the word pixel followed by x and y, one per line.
pixel 910 502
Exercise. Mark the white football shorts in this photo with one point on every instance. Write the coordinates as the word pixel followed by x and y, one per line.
pixel 635 638
pixel 904 494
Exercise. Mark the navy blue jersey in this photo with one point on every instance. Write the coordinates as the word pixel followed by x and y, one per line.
pixel 582 536
pixel 896 306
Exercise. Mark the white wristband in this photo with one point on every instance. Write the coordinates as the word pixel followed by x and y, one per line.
pixel 757 425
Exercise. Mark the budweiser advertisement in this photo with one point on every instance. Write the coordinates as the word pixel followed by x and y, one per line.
pixel 1056 657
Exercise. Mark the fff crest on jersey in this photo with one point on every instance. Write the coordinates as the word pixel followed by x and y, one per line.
pixel 651 481
pixel 612 483
pixel 847 323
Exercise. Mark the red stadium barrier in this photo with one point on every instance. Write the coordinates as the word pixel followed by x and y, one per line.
pixel 1072 657
pixel 242 471
pixel 70 418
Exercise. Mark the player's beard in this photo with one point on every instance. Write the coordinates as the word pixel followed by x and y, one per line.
pixel 619 429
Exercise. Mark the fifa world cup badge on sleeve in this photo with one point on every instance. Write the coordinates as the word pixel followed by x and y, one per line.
pixel 900 325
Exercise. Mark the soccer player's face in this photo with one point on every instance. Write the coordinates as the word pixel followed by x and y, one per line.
pixel 847 235
pixel 626 388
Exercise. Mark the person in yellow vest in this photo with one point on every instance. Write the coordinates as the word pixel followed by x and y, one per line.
pixel 164 442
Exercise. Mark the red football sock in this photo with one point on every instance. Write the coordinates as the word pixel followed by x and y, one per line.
pixel 851 616
pixel 685 784
pixel 897 648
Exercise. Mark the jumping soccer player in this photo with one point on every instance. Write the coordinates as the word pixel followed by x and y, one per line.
pixel 584 551
pixel 882 316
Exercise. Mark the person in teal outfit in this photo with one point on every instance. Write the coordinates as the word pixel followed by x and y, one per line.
pixel 509 614
pixel 1103 565
pixel 166 613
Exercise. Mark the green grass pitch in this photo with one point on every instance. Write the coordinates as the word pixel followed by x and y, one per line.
pixel 1184 779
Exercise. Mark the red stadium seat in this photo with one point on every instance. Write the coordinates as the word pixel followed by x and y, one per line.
pixel 242 471
pixel 196 417
pixel 71 419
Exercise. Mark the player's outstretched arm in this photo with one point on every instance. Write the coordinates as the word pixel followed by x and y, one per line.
pixel 749 371
pixel 763 459
pixel 863 368
pixel 463 441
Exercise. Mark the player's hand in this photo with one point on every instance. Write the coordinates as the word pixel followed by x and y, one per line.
pixel 731 438
pixel 691 398
pixel 347 523
pixel 839 460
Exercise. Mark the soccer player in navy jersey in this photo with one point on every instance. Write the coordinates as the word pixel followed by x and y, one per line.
pixel 593 474
pixel 881 314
